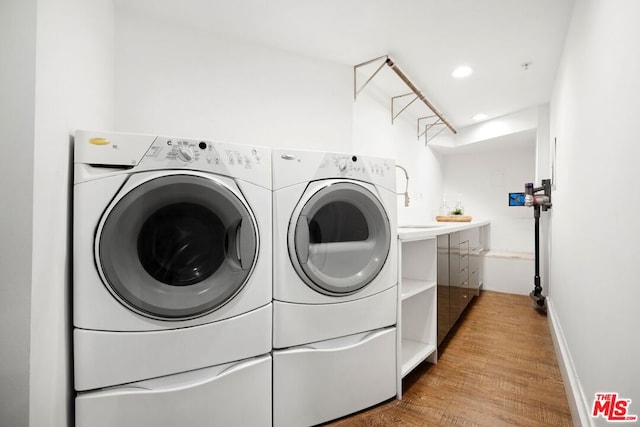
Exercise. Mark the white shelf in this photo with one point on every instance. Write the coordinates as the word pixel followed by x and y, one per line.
pixel 411 287
pixel 414 352
pixel 417 315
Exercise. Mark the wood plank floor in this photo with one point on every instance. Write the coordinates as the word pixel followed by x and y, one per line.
pixel 498 368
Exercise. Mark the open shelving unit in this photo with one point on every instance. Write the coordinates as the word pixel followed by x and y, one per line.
pixel 417 308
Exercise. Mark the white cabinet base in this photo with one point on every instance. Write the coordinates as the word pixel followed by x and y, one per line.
pixel 326 380
pixel 233 394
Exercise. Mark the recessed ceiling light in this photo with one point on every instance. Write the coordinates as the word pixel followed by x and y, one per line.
pixel 462 71
pixel 479 116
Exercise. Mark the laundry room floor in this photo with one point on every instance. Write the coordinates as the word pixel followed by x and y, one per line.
pixel 498 368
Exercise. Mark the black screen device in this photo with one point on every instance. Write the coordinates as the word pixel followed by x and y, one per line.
pixel 516 199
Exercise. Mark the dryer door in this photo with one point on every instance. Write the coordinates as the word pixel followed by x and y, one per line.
pixel 176 246
pixel 339 239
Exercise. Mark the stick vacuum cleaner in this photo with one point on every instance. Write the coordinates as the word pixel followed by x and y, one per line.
pixel 538 201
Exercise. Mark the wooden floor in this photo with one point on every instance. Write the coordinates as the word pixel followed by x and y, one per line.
pixel 497 369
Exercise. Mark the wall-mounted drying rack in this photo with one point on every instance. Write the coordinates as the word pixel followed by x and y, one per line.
pixel 436 119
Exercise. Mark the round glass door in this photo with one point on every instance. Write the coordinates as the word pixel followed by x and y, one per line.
pixel 340 239
pixel 176 246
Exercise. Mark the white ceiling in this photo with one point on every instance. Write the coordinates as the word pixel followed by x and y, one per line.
pixel 426 38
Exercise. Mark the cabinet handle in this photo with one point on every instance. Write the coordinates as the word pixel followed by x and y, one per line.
pixel 182 381
pixel 341 344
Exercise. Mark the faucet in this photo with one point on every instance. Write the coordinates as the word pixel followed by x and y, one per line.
pixel 406 187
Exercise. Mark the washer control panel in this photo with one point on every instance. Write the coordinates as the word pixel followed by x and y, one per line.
pixel 203 153
pixel 235 160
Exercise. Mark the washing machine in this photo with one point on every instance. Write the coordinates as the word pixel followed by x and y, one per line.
pixel 172 285
pixel 334 285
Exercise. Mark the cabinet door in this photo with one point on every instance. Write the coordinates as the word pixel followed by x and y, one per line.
pixel 458 276
pixel 473 236
pixel 463 253
pixel 443 287
pixel 474 272
pixel 475 251
pixel 455 279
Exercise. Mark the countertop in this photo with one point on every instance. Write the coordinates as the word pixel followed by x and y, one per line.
pixel 432 229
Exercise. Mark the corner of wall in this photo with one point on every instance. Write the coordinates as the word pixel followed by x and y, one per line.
pixel 18 22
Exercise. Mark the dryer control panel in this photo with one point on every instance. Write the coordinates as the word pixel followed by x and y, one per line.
pixel 364 168
pixel 293 166
pixel 354 166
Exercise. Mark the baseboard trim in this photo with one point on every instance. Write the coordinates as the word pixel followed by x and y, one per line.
pixel 578 405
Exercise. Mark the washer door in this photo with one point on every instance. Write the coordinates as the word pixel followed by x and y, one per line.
pixel 176 246
pixel 339 240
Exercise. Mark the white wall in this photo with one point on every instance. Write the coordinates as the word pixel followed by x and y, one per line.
pixel 484 179
pixel 594 234
pixel 176 80
pixel 74 89
pixel 17 80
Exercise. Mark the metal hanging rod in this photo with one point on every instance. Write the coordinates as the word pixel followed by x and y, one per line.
pixel 427 127
pixel 418 95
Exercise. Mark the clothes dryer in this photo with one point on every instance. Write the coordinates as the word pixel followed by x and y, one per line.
pixel 335 284
pixel 172 278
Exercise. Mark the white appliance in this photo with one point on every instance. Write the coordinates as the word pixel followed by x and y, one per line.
pixel 172 281
pixel 334 285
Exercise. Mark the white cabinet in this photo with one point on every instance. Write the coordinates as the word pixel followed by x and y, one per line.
pixel 439 272
pixel 232 394
pixel 417 306
pixel 322 381
pixel 459 275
